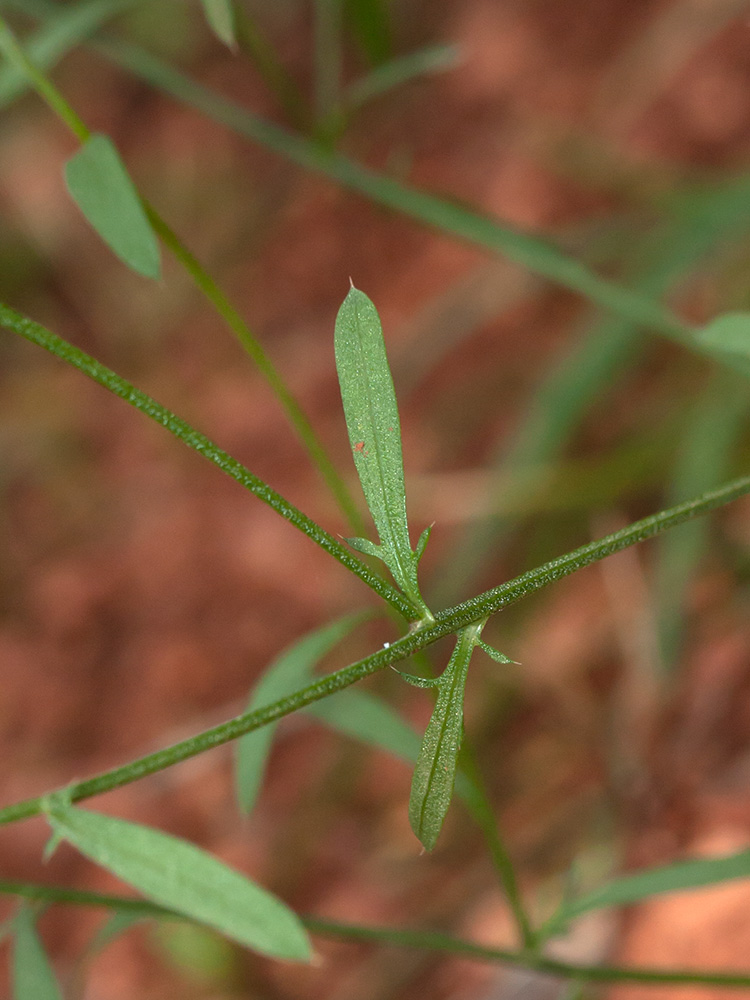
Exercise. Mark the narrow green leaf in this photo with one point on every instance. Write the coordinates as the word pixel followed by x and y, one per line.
pixel 728 339
pixel 629 889
pixel 32 974
pixel 375 432
pixel 435 772
pixel 185 878
pixel 365 546
pixel 99 184
pixel 495 654
pixel 290 671
pixel 366 718
pixel 220 16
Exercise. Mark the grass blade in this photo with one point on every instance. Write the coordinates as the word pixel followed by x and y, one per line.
pixel 728 338
pixel 62 32
pixel 692 874
pixel 291 670
pixel 32 974
pixel 433 59
pixel 179 875
pixel 375 434
pixel 220 18
pixel 99 184
pixel 435 773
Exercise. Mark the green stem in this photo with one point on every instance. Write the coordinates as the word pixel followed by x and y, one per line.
pixel 204 282
pixel 37 334
pixel 406 938
pixel 446 623
pixel 478 803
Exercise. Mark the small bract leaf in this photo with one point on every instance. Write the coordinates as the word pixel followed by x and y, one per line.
pixel 32 974
pixel 101 187
pixel 185 878
pixel 423 540
pixel 728 338
pixel 290 671
pixel 366 546
pixel 435 771
pixel 416 681
pixel 375 433
pixel 495 654
pixel 221 19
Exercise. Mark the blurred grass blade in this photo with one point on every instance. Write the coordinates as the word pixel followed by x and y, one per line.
pixel 366 718
pixel 328 48
pixel 701 220
pixel 289 672
pixel 375 433
pixel 535 253
pixel 680 877
pixel 31 972
pixel 713 427
pixel 185 878
pixel 728 339
pixel 371 23
pixel 434 59
pixel 220 17
pixel 435 771
pixel 99 184
pixel 54 39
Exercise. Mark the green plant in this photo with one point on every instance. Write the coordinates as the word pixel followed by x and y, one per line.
pixel 178 880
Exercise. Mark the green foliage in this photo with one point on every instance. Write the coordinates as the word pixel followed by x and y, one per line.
pixel 375 437
pixel 184 878
pixel 33 978
pixel 99 184
pixel 178 880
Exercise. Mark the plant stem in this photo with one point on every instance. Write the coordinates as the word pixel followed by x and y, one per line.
pixel 406 938
pixel 478 802
pixel 104 376
pixel 446 622
pixel 15 53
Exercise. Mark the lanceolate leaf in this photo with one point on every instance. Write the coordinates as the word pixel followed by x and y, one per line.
pixel 32 975
pixel 179 875
pixel 99 184
pixel 286 674
pixel 375 433
pixel 435 772
pixel 495 654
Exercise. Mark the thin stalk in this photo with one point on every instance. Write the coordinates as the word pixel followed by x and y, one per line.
pixel 104 376
pixel 478 802
pixel 205 283
pixel 328 57
pixel 446 622
pixel 406 938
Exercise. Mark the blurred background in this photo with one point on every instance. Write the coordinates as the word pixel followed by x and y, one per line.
pixel 143 593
